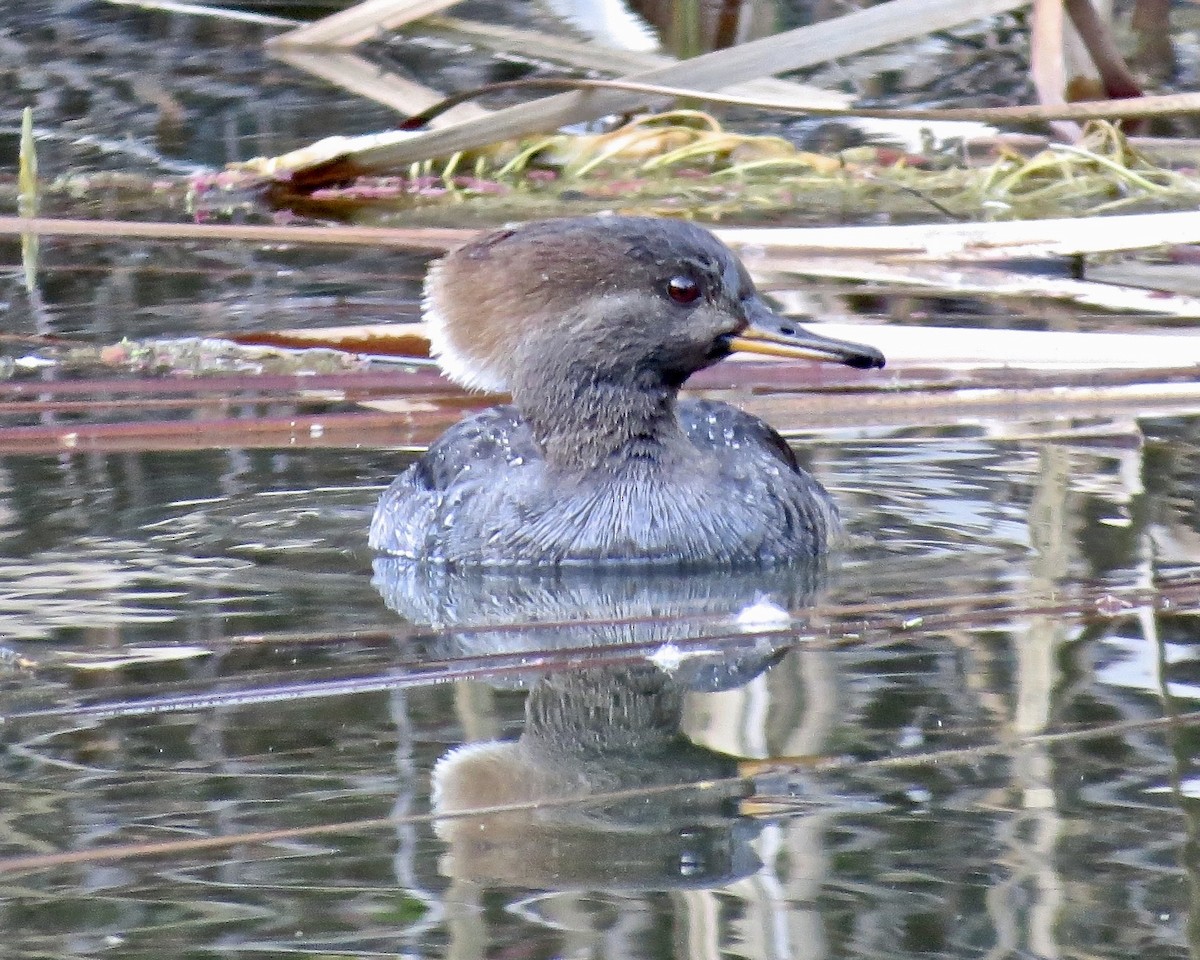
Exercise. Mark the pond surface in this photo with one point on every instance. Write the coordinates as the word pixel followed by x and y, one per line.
pixel 989 702
pixel 229 730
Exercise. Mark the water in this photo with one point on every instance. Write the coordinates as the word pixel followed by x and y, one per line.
pixel 995 596
pixel 229 731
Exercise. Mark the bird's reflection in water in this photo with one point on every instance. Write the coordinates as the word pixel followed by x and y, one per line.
pixel 606 719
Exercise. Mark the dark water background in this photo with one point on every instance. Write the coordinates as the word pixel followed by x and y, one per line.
pixel 991 707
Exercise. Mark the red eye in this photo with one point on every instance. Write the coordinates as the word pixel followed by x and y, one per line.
pixel 683 290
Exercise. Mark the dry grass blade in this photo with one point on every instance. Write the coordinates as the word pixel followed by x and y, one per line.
pixel 336 159
pixel 393 340
pixel 414 238
pixel 682 162
pixel 944 242
pixel 1163 105
pixel 351 72
pixel 591 56
pixel 359 22
pixel 360 76
pixel 876 26
pixel 956 242
pixel 988 281
pixel 1000 403
pixel 205 10
pixel 951 348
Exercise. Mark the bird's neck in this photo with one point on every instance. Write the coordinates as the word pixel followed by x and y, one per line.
pixel 588 420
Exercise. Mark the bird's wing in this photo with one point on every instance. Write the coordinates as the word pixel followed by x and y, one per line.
pixel 710 424
pixel 481 448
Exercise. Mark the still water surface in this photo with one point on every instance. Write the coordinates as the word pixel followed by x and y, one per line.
pixel 200 646
pixel 971 736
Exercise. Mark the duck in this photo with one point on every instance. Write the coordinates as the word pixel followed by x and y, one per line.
pixel 593 325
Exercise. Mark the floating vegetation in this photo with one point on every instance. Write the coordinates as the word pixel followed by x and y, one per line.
pixel 684 162
pixel 1103 174
pixel 677 163
pixel 177 357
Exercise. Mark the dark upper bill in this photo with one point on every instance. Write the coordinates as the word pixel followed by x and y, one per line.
pixel 776 336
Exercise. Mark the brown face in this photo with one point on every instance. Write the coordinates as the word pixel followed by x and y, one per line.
pixel 622 293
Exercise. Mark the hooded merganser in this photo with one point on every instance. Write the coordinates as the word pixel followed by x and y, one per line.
pixel 593 324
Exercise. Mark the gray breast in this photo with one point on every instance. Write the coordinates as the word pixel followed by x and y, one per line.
pixel 728 492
